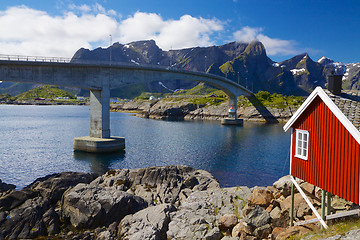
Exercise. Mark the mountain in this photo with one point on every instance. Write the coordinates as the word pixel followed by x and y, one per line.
pixel 351 72
pixel 245 63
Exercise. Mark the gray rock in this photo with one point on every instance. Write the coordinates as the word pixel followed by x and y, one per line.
pixel 352 235
pixel 51 220
pixel 283 185
pixel 200 212
pixel 257 217
pixel 91 206
pixel 6 187
pixel 104 235
pixel 26 220
pixel 15 199
pixel 275 213
pixel 53 186
pixel 158 185
pixel 263 232
pixel 336 237
pixel 149 223
pixel 230 238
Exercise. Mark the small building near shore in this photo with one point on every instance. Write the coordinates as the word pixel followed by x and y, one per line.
pixel 325 142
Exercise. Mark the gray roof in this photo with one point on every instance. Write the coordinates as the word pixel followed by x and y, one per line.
pixel 349 103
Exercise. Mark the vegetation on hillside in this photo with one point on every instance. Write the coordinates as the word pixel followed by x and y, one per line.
pixel 46 91
pixel 274 100
pixel 204 95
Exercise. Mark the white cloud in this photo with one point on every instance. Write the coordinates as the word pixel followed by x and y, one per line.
pixel 185 32
pixel 27 31
pixel 273 46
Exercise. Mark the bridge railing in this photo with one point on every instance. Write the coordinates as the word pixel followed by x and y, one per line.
pixel 34 58
pixel 73 60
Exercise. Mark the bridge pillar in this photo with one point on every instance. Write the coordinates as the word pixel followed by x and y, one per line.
pixel 232 118
pixel 99 139
pixel 100 113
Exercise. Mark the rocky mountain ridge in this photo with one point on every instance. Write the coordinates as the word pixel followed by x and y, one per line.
pixel 245 63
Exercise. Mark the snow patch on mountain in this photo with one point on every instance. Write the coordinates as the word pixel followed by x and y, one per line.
pixel 297 71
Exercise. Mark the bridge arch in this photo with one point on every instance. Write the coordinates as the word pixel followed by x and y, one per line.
pixel 100 78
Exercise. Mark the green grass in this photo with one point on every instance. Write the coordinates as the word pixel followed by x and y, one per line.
pixel 200 89
pixel 267 99
pixel 226 67
pixel 46 91
pixel 274 100
pixel 337 228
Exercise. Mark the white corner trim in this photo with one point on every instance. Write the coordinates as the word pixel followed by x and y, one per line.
pixel 333 108
pixel 308 202
pixel 291 143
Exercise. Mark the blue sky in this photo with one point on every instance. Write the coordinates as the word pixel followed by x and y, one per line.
pixel 287 28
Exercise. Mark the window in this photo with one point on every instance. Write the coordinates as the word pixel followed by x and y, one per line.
pixel 302 144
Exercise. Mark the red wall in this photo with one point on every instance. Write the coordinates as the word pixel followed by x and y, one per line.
pixel 334 155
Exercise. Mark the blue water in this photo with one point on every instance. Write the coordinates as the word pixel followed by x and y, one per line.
pixel 38 140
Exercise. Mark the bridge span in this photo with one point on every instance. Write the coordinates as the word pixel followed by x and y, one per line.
pixel 99 78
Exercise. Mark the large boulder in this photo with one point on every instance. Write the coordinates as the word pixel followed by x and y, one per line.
pixel 257 217
pixel 301 208
pixel 90 206
pixel 158 185
pixel 260 197
pixel 150 223
pixel 198 216
pixel 26 221
pixel 227 222
pixel 53 186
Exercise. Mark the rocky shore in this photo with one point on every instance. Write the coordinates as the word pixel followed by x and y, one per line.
pixel 41 102
pixel 173 109
pixel 172 202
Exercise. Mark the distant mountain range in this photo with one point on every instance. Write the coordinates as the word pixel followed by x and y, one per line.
pixel 245 63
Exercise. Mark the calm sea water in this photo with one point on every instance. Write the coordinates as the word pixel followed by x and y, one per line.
pixel 38 140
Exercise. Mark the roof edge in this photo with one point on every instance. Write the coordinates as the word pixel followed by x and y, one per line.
pixel 333 108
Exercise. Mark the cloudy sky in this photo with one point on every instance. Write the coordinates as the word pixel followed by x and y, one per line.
pixel 285 27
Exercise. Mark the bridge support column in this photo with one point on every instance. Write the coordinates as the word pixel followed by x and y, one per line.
pixel 100 113
pixel 99 139
pixel 232 118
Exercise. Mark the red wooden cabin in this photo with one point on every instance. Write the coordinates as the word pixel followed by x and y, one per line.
pixel 325 142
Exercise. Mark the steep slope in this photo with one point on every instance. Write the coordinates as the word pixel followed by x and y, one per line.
pixel 253 69
pixel 307 74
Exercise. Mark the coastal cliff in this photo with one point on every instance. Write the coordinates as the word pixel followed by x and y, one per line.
pixel 171 202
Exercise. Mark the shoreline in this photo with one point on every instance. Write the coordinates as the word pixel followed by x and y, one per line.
pixel 170 202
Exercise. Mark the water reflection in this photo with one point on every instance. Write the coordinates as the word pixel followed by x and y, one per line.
pixel 100 162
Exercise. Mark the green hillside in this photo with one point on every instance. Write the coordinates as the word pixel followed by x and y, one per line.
pixel 47 92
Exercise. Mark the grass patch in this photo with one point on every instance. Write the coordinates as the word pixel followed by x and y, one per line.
pixel 274 100
pixel 338 228
pixel 46 91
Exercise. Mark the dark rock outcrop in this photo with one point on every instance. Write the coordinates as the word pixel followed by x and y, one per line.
pixel 89 206
pixel 6 187
pixel 172 202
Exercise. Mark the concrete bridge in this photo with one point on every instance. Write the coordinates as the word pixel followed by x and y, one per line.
pixel 99 78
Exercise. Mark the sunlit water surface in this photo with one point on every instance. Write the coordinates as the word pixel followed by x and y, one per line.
pixel 38 140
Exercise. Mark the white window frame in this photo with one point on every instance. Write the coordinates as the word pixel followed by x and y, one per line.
pixel 300 144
